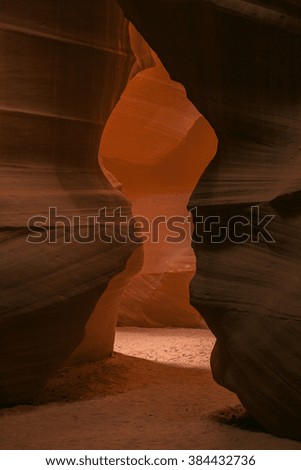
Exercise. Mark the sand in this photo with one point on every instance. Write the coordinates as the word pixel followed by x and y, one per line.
pixel 156 392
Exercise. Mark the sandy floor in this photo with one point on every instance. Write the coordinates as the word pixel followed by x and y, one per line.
pixel 156 392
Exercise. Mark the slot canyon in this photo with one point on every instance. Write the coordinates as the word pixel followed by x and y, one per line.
pixel 114 111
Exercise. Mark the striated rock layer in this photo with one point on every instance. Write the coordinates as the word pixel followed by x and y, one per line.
pixel 240 62
pixel 64 64
pixel 156 126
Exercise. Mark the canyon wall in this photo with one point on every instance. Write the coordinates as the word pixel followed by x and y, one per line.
pixel 240 62
pixel 64 65
pixel 163 145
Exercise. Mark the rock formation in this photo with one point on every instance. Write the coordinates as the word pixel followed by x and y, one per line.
pixel 64 65
pixel 239 61
pixel 163 145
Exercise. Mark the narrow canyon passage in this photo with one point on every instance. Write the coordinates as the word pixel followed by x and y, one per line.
pixel 157 145
pixel 93 121
pixel 154 147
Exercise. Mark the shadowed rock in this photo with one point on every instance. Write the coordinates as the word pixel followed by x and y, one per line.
pixel 64 65
pixel 240 62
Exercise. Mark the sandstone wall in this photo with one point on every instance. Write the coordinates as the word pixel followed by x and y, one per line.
pixel 240 64
pixel 157 144
pixel 64 65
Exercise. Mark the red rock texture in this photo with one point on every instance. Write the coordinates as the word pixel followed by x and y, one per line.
pixel 64 65
pixel 240 64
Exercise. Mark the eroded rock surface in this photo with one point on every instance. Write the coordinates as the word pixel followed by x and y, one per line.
pixel 64 65
pixel 163 145
pixel 240 62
